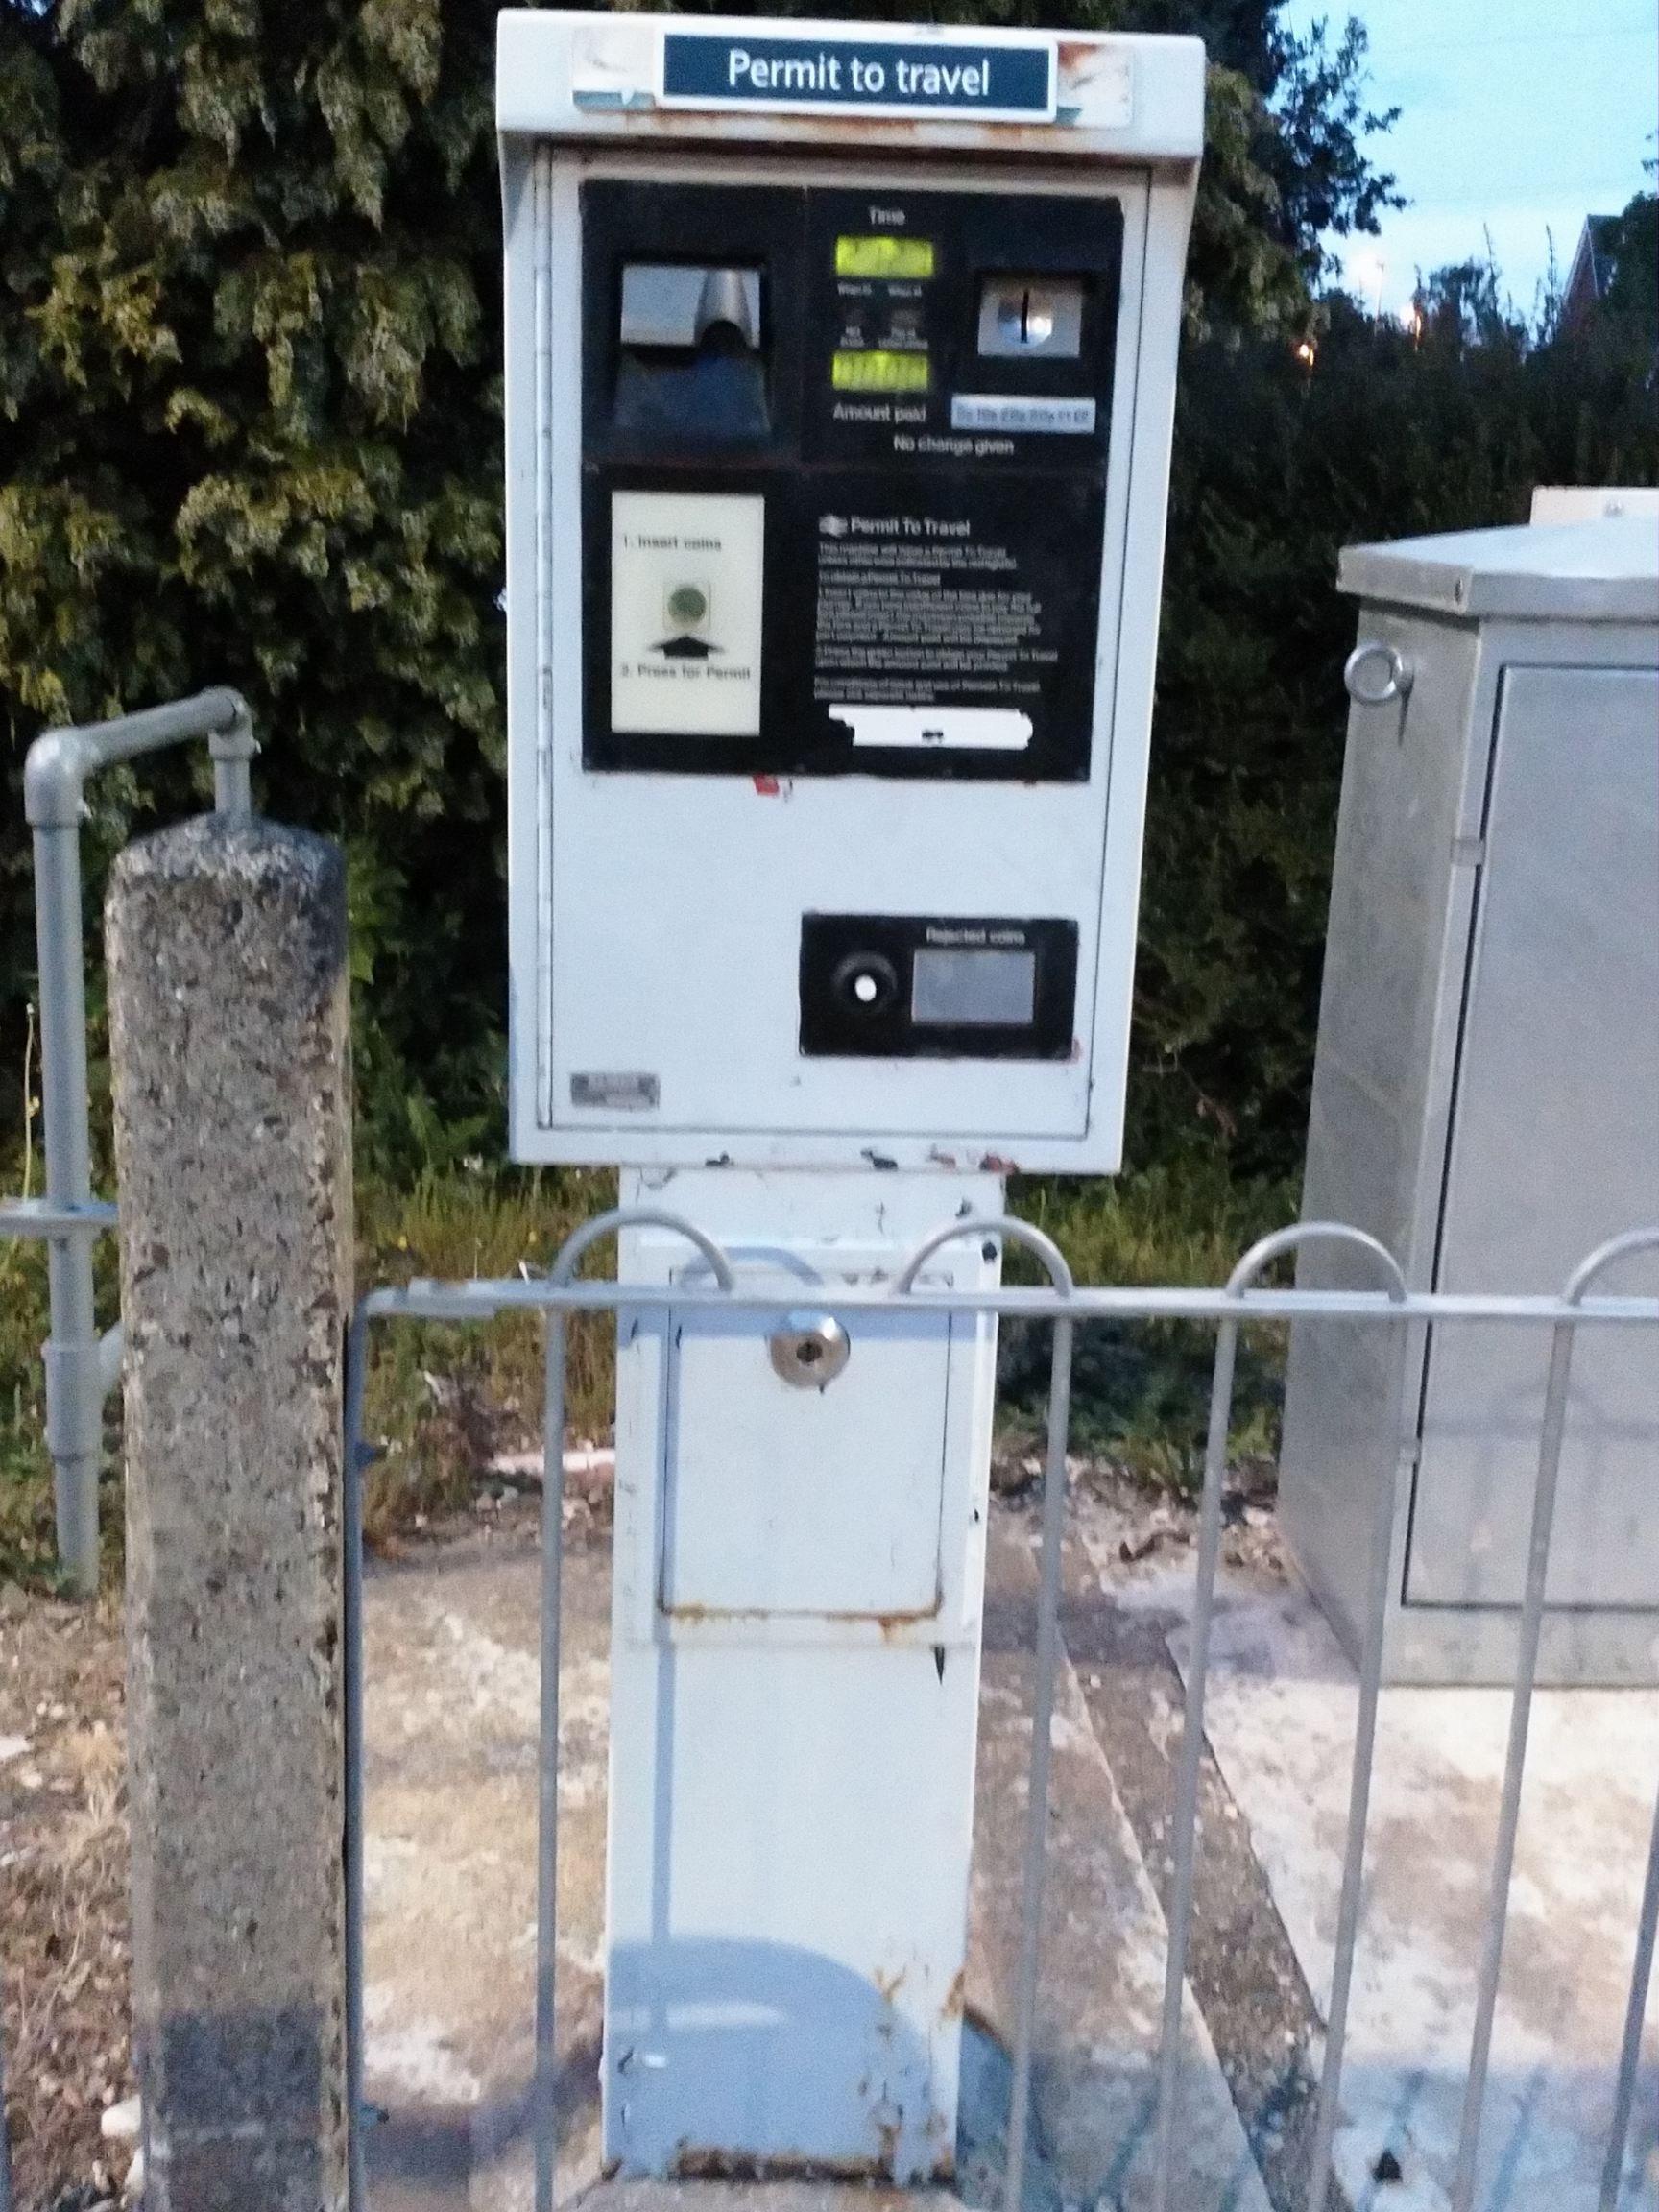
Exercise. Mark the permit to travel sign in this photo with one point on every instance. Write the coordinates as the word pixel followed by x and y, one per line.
pixel 1007 79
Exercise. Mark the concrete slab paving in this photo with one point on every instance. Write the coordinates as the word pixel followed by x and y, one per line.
pixel 452 1718
pixel 1101 1985
pixel 1280 1715
pixel 1119 1602
pixel 450 1724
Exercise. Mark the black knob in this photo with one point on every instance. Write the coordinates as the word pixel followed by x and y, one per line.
pixel 867 982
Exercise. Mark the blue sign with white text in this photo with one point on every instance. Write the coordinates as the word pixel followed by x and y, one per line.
pixel 944 77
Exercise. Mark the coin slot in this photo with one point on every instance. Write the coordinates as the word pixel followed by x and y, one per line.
pixel 1035 316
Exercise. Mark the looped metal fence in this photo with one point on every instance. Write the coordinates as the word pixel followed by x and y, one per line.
pixel 1066 1307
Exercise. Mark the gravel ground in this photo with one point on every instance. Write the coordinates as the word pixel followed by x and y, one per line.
pixel 64 1919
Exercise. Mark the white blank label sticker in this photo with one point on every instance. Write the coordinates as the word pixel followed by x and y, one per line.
pixel 685 571
pixel 984 989
pixel 977 728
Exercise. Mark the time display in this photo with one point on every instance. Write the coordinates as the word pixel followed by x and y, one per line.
pixel 885 257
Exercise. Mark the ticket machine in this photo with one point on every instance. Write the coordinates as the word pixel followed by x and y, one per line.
pixel 840 372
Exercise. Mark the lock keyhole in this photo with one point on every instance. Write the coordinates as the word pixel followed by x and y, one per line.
pixel 810 1350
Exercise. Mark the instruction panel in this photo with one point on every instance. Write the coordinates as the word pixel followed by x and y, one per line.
pixel 951 626
pixel 685 600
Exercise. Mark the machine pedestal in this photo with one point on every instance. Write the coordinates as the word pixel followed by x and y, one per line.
pixel 795 1674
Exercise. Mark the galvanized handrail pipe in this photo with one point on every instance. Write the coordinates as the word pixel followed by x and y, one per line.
pixel 1035 1871
pixel 358 1457
pixel 545 2109
pixel 1179 1917
pixel 55 776
pixel 1635 2015
pixel 44 1217
pixel 473 1299
pixel 1551 1434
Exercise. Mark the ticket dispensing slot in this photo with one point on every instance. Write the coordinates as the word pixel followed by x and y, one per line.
pixel 689 351
pixel 689 308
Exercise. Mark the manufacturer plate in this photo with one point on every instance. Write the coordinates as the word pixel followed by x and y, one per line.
pixel 628 1093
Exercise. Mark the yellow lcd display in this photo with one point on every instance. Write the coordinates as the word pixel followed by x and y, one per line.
pixel 885 257
pixel 879 372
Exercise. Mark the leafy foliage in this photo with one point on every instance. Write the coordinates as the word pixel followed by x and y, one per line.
pixel 1278 465
pixel 251 431
pixel 1633 290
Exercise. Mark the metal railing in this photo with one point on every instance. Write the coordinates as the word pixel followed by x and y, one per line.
pixel 82 1368
pixel 1066 1307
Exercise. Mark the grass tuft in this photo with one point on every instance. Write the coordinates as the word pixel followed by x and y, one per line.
pixel 1141 1390
pixel 442 1400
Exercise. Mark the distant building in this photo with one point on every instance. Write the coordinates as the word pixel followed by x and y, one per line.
pixel 1592 270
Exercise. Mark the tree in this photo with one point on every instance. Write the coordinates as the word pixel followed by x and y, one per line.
pixel 250 431
pixel 1634 288
pixel 1277 466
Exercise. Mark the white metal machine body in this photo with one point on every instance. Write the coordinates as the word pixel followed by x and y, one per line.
pixel 659 875
pixel 840 376
pixel 795 1680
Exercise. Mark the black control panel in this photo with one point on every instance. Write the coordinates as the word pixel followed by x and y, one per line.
pixel 844 467
pixel 901 986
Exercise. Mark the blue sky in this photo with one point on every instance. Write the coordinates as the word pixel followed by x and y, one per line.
pixel 1512 122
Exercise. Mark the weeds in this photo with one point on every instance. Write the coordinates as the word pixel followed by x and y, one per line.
pixel 1141 1390
pixel 63 1907
pixel 443 1401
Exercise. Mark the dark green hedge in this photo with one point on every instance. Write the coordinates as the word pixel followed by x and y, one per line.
pixel 250 431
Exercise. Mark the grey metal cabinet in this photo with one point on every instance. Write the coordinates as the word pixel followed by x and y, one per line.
pixel 1486 1095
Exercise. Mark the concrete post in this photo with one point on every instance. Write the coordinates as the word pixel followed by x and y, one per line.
pixel 229 1017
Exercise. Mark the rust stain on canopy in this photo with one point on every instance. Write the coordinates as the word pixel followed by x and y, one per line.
pixel 643 126
pixel 613 74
